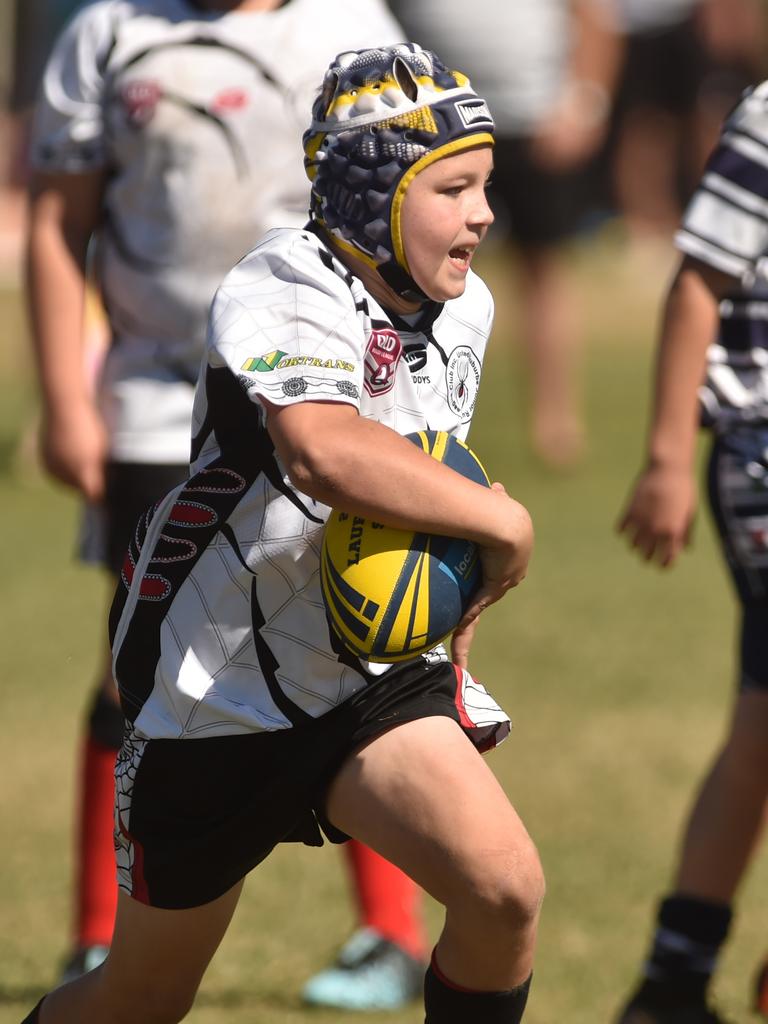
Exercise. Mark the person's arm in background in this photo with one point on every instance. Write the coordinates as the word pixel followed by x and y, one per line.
pixel 578 124
pixel 734 33
pixel 65 209
pixel 660 511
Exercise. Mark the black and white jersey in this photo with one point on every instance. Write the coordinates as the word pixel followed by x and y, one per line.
pixel 197 117
pixel 726 227
pixel 221 625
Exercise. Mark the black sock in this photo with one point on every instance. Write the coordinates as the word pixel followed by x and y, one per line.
pixel 448 1004
pixel 689 934
pixel 34 1017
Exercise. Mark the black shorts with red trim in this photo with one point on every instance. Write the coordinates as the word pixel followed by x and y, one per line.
pixel 194 816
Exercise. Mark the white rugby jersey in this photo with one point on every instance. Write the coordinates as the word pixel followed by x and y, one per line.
pixel 726 226
pixel 222 626
pixel 198 117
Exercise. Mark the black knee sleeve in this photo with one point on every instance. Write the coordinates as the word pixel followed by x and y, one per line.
pixel 106 722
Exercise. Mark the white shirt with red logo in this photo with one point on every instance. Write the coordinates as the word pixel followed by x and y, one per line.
pixel 223 627
pixel 197 118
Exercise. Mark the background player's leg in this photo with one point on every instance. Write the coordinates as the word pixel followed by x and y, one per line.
pixel 154 967
pixel 381 966
pixel 726 822
pixel 550 334
pixel 95 882
pixel 387 899
pixel 130 490
pixel 729 813
pixel 423 797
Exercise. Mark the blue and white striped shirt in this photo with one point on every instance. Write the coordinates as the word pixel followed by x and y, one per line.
pixel 726 227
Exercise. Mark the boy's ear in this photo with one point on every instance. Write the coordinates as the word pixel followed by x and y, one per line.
pixel 328 92
pixel 404 78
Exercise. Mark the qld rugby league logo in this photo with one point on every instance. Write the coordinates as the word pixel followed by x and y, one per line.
pixel 140 98
pixel 382 355
pixel 462 376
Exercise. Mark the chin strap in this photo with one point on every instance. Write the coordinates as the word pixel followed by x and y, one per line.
pixel 401 282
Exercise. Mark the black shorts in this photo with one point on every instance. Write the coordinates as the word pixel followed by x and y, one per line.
pixel 130 490
pixel 671 70
pixel 194 816
pixel 537 208
pixel 738 494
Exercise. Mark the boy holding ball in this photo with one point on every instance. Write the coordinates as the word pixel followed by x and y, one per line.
pixel 249 724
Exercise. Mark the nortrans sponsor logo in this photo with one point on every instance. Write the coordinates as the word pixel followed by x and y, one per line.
pixel 474 112
pixel 278 360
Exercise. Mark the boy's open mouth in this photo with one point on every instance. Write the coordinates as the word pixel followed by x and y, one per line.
pixel 462 256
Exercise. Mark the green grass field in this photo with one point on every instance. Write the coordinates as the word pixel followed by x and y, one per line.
pixel 617 678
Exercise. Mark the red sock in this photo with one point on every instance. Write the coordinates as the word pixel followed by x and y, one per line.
pixel 387 899
pixel 96 869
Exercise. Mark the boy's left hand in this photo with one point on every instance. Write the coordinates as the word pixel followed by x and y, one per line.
pixel 504 566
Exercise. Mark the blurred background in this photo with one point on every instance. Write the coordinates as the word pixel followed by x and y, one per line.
pixel 617 676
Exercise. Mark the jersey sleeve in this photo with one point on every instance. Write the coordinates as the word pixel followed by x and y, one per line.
pixel 726 222
pixel 285 322
pixel 68 128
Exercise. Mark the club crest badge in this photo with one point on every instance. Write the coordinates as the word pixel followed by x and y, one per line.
pixel 382 355
pixel 140 99
pixel 462 377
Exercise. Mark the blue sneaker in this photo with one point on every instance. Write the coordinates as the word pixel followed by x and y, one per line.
pixel 370 973
pixel 83 960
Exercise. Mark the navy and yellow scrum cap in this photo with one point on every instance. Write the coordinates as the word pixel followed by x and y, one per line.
pixel 382 116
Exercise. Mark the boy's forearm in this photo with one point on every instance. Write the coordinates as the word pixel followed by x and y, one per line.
pixel 349 462
pixel 689 326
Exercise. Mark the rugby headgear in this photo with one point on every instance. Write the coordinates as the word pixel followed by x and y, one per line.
pixel 384 115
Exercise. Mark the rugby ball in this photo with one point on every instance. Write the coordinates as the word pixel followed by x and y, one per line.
pixel 390 594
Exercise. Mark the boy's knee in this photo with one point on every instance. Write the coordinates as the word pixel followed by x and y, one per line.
pixel 507 891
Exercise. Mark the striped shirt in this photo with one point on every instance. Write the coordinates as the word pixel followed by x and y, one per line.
pixel 726 227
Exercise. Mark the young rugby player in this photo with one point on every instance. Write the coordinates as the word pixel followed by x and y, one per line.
pixel 715 334
pixel 149 138
pixel 250 724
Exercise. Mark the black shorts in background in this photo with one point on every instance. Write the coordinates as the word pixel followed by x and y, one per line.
pixel 131 488
pixel 534 207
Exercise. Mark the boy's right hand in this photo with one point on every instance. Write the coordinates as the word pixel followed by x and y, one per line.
pixel 659 516
pixel 74 446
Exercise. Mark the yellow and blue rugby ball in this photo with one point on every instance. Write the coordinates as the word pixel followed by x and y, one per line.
pixel 393 594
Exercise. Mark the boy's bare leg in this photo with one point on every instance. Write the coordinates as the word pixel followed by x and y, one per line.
pixel 155 965
pixel 423 797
